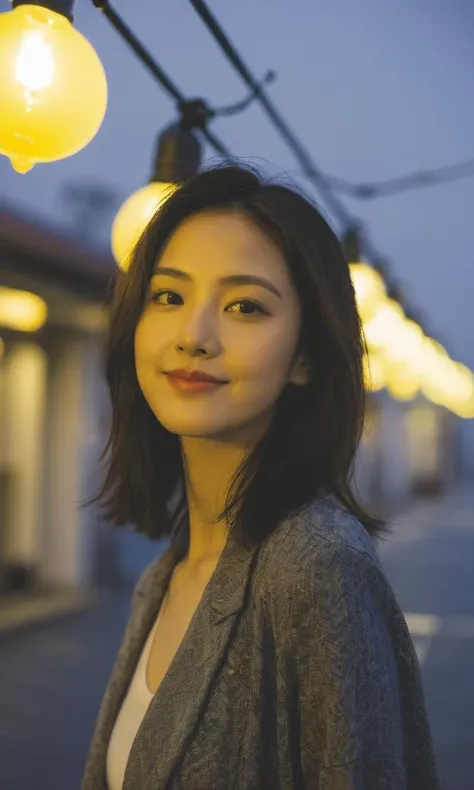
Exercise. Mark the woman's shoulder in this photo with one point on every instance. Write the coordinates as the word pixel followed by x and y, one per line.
pixel 316 541
pixel 320 572
pixel 321 528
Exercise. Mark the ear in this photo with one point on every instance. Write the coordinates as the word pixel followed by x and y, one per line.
pixel 301 372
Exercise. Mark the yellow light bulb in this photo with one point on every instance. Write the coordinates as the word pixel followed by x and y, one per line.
pixel 133 218
pixel 53 88
pixel 374 374
pixel 22 310
pixel 369 289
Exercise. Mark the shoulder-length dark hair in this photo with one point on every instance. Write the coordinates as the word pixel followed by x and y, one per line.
pixel 309 450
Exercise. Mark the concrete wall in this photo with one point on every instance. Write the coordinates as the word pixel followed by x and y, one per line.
pixel 51 435
pixel 24 383
pixel 73 441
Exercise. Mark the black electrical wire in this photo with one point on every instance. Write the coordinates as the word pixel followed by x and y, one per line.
pixel 325 183
pixel 156 70
pixel 308 166
pixel 414 180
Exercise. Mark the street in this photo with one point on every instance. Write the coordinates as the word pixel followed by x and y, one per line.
pixel 430 564
pixel 52 677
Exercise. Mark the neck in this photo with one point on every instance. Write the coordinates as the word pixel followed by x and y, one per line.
pixel 209 465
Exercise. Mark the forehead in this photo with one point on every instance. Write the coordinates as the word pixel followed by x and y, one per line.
pixel 222 238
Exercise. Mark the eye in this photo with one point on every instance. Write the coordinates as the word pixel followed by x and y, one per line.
pixel 252 305
pixel 155 295
pixel 246 303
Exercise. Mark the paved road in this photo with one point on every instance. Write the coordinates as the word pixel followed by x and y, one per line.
pixel 51 681
pixel 430 564
pixel 52 678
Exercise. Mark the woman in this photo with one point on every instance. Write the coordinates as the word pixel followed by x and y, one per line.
pixel 266 648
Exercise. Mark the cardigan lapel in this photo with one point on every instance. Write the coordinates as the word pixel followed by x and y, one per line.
pixel 174 711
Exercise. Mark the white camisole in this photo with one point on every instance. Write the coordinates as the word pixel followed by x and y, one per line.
pixel 130 717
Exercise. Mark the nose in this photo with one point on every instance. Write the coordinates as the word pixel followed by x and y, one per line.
pixel 199 334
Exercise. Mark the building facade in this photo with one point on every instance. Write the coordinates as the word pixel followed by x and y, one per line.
pixel 52 409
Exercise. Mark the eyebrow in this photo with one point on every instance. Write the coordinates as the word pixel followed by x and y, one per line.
pixel 230 279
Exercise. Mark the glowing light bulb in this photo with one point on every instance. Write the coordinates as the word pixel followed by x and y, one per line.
pixel 374 374
pixel 369 289
pixel 53 88
pixel 21 310
pixel 134 216
pixel 34 67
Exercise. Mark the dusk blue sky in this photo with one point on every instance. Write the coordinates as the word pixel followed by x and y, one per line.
pixel 373 88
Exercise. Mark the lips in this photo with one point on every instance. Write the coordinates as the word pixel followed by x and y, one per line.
pixel 194 386
pixel 194 376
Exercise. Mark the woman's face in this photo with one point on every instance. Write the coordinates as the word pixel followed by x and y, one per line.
pixel 241 332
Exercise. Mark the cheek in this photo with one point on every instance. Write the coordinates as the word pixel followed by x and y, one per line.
pixel 146 345
pixel 267 356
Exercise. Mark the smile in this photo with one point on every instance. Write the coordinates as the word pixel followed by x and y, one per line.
pixel 193 386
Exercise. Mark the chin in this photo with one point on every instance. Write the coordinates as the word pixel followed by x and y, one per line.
pixel 202 426
pixel 197 430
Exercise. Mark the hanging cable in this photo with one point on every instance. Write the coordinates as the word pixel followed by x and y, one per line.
pixel 207 113
pixel 308 166
pixel 147 59
pixel 325 183
pixel 415 180
pixel 233 109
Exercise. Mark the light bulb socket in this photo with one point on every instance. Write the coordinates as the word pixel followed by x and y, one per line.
pixel 63 7
pixel 178 155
